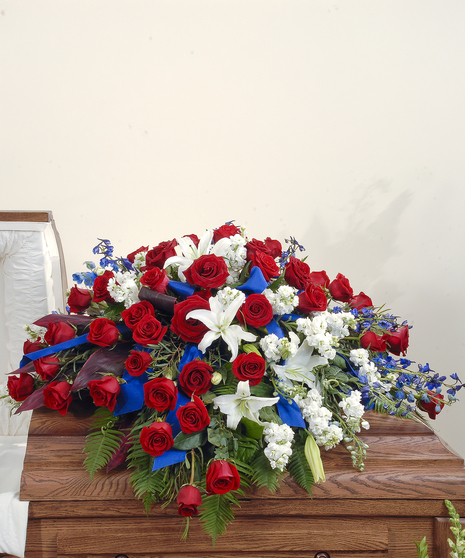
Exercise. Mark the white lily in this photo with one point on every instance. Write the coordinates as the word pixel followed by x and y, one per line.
pixel 191 252
pixel 242 404
pixel 218 320
pixel 298 368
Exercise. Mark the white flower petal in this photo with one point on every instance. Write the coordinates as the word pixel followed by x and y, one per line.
pixel 204 316
pixel 205 243
pixel 207 340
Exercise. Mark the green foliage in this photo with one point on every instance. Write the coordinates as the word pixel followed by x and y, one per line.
pixel 264 475
pixel 268 414
pixel 457 548
pixel 422 548
pixel 216 513
pixel 102 441
pixel 113 311
pixel 150 486
pixel 299 468
pixel 262 390
pixel 190 441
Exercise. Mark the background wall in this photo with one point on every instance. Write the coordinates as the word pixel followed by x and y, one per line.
pixel 340 123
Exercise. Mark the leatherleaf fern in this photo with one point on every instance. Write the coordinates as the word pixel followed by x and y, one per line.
pixel 102 441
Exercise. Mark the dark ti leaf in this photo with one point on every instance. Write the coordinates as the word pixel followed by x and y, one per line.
pixel 34 401
pixel 105 360
pixel 80 322
pixel 120 455
pixel 27 369
pixel 190 441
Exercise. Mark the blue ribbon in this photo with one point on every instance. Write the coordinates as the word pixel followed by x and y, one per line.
pixel 81 340
pixel 183 289
pixel 170 457
pixel 290 413
pixel 191 352
pixel 131 395
pixel 287 317
pixel 256 282
pixel 273 327
pixel 349 364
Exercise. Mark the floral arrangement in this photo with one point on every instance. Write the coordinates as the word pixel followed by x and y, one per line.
pixel 221 362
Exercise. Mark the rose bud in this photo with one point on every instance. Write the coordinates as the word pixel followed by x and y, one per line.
pixel 104 392
pixel 160 394
pixel 47 367
pixel 156 438
pixel 138 362
pixel 296 273
pixel 195 377
pixel 222 477
pixel 249 367
pixel 370 340
pixel 100 287
pixel 193 416
pixel 435 405
pixel 134 314
pixel 103 332
pixel 398 341
pixel 20 387
pixel 79 299
pixel 225 231
pixel 56 396
pixel 189 500
pixel 59 332
pixel 361 301
pixel 319 278
pixel 340 288
pixel 256 311
pixel 149 331
pixel 313 299
pixel 32 346
pixel 208 271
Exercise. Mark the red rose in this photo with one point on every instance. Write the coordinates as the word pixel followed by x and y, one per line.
pixel 132 256
pixel 134 314
pixel 398 341
pixel 340 288
pixel 156 257
pixel 435 400
pixel 149 331
pixel 225 231
pixel 20 387
pixel 100 287
pixel 189 500
pixel 222 477
pixel 47 367
pixel 319 278
pixel 193 416
pixel 156 438
pixel 138 362
pixel 274 246
pixel 361 301
pixel 190 331
pixel 104 392
pixel 249 367
pixel 313 299
pixel 155 279
pixel 255 246
pixel 256 311
pixel 59 332
pixel 370 340
pixel 32 346
pixel 208 271
pixel 160 394
pixel 56 396
pixel 79 299
pixel 195 377
pixel 103 332
pixel 296 273
pixel 266 263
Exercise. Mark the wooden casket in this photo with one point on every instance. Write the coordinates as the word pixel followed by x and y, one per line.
pixel 377 513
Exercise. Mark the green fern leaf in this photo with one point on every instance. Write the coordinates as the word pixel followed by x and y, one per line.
pixel 102 441
pixel 299 468
pixel 264 475
pixel 216 513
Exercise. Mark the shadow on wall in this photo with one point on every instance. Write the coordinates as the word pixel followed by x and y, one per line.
pixel 363 239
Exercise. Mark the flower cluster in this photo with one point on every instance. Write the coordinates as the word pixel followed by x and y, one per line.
pixel 229 362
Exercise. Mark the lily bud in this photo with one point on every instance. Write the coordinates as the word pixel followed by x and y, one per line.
pixel 313 455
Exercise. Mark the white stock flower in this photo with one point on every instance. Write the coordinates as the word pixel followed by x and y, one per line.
pixel 283 301
pixel 124 288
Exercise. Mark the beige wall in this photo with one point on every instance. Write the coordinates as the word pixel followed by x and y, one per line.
pixel 340 123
